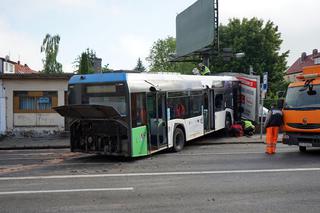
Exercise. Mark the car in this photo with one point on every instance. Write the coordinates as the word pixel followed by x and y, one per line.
pixel 264 113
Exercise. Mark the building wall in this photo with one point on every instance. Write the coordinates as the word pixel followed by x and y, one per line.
pixel 8 67
pixel 2 109
pixel 39 123
pixel 1 65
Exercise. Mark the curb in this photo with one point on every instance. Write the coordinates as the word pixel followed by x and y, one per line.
pixel 223 143
pixel 34 147
pixel 68 146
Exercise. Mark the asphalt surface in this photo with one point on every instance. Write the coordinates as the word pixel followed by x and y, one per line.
pixel 202 178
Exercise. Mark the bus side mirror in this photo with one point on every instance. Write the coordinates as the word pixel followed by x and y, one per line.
pixel 153 89
pixel 311 91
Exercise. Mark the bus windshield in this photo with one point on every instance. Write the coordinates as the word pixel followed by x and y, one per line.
pixel 298 98
pixel 99 94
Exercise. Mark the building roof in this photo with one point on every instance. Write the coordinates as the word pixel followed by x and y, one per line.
pixel 34 76
pixel 303 61
pixel 23 69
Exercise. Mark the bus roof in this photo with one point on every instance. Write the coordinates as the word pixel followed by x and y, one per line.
pixel 142 82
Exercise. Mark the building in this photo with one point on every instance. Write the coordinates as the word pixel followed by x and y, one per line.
pixel 10 67
pixel 7 66
pixel 23 69
pixel 304 61
pixel 26 102
pixel 97 65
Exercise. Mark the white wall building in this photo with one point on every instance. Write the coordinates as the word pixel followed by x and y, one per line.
pixel 26 102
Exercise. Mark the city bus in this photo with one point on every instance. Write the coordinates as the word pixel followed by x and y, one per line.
pixel 137 114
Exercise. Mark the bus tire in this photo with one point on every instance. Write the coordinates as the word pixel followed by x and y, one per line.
pixel 178 140
pixel 302 148
pixel 228 123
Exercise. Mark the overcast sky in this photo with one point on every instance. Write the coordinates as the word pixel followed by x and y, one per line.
pixel 120 31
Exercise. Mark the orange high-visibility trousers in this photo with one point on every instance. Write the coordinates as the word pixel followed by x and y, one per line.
pixel 271 139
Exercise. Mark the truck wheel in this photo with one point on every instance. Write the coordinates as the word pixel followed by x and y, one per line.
pixel 302 148
pixel 178 140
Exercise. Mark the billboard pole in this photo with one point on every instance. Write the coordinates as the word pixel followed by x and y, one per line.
pixel 216 24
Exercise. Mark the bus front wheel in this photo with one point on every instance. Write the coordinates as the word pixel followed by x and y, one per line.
pixel 302 148
pixel 178 140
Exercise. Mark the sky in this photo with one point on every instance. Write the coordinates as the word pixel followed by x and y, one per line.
pixel 121 31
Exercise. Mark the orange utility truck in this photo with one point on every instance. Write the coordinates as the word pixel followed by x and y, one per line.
pixel 301 110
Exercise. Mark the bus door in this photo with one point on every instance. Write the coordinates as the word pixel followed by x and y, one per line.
pixel 212 110
pixel 156 108
pixel 206 119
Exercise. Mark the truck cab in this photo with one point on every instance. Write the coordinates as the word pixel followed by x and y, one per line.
pixel 302 110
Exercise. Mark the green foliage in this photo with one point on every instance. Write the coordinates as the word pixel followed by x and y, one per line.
pixel 159 57
pixel 84 62
pixel 106 68
pixel 50 47
pixel 139 67
pixel 261 44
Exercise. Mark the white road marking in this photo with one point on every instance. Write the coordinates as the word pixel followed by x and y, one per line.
pixel 161 174
pixel 67 190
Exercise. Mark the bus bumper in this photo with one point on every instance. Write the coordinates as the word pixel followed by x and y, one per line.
pixel 301 139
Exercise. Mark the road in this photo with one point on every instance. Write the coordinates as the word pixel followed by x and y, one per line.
pixel 201 178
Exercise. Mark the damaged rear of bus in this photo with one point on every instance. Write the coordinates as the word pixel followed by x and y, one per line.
pixel 98 114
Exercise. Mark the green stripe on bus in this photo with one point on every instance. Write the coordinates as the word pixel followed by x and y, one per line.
pixel 139 141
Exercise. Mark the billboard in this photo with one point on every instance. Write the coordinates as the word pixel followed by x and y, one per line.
pixel 249 97
pixel 195 28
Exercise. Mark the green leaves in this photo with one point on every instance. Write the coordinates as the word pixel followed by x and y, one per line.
pixel 159 57
pixel 261 44
pixel 139 67
pixel 50 47
pixel 84 62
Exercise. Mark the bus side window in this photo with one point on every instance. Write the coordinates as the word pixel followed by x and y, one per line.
pixel 138 111
pixel 179 107
pixel 219 104
pixel 196 105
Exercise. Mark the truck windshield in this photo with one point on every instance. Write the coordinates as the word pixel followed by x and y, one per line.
pixel 99 94
pixel 299 99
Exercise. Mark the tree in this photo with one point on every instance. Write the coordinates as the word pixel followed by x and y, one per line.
pixel 84 62
pixel 106 68
pixel 139 67
pixel 159 57
pixel 261 44
pixel 50 47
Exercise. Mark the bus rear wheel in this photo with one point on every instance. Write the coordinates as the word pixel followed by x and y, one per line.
pixel 178 140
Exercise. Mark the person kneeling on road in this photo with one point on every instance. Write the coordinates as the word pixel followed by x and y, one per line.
pixel 248 128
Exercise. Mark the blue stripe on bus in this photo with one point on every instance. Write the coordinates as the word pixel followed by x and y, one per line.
pixel 98 78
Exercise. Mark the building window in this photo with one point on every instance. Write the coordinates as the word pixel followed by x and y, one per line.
pixel 317 61
pixel 34 101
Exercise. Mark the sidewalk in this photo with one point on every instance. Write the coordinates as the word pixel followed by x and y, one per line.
pixel 11 143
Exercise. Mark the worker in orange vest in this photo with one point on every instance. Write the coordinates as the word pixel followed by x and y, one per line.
pixel 272 124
